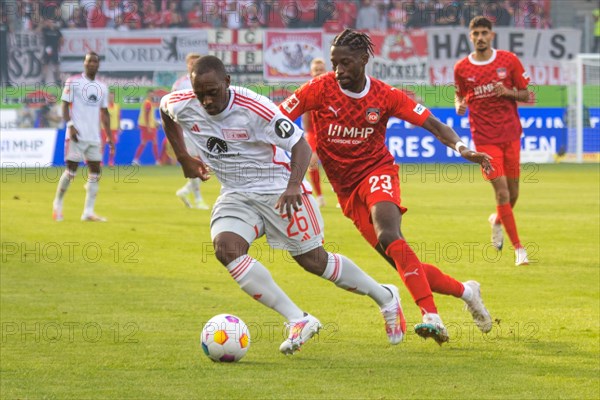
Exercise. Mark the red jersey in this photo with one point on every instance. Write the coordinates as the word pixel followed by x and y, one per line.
pixel 350 127
pixel 493 119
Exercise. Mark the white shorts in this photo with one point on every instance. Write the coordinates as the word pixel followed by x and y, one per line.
pixel 80 151
pixel 252 215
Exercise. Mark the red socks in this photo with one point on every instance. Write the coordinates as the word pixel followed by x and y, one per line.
pixel 508 220
pixel 413 274
pixel 315 179
pixel 442 283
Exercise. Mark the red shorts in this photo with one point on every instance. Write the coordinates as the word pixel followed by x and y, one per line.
pixel 506 159
pixel 148 134
pixel 380 185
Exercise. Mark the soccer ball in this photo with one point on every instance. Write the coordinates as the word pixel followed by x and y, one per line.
pixel 225 338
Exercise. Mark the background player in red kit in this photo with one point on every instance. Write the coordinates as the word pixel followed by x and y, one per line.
pixel 490 82
pixel 317 68
pixel 351 111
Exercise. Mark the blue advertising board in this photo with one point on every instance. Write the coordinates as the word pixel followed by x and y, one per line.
pixel 545 131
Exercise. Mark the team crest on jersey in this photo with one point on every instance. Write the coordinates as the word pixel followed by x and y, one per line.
pixel 216 145
pixel 290 103
pixel 501 73
pixel 235 134
pixel 373 115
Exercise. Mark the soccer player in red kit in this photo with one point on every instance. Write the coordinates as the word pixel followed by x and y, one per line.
pixel 317 67
pixel 350 114
pixel 490 82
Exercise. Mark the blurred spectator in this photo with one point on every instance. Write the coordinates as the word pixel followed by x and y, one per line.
pixel 382 21
pixel 348 11
pixel 151 18
pixel 232 19
pixel 52 41
pixel 273 12
pixel 77 20
pixel 530 14
pixel 5 30
pixel 67 10
pixel 497 12
pixel 447 13
pixel 397 16
pixel 368 16
pixel 112 10
pixel 470 10
pixel 29 15
pixel 131 16
pixel 251 14
pixel 196 19
pixel 171 18
pixel 95 16
pixel 419 14
pixel 307 13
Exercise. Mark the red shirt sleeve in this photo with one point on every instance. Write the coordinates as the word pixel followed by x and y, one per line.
pixel 306 98
pixel 520 76
pixel 406 108
pixel 459 85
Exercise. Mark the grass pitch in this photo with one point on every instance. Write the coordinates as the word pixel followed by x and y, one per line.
pixel 99 311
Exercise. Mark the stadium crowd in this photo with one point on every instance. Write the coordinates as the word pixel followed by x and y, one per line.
pixel 333 16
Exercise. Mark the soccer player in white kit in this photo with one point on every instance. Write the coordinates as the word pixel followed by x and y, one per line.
pixel 85 105
pixel 242 136
pixel 193 184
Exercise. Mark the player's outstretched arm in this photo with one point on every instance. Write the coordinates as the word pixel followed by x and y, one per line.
pixel 460 105
pixel 192 167
pixel 448 136
pixel 292 196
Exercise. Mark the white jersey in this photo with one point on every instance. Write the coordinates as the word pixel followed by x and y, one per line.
pixel 245 144
pixel 183 83
pixel 86 98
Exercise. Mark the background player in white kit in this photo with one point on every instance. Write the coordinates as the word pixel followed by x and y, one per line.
pixel 242 137
pixel 193 184
pixel 85 105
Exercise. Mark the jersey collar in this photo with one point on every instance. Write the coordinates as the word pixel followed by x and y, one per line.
pixel 360 95
pixel 475 62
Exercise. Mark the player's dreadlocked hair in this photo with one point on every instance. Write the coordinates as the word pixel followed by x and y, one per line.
pixel 355 40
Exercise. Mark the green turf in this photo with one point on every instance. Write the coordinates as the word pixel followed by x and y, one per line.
pixel 114 311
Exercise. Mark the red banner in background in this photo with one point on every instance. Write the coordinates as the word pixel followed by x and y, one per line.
pixel 400 57
pixel 288 53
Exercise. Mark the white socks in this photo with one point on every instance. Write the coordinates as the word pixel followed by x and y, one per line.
pixel 257 281
pixel 90 197
pixel 63 184
pixel 193 186
pixel 347 275
pixel 467 294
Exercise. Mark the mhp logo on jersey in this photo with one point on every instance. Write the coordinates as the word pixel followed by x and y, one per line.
pixel 284 128
pixel 373 115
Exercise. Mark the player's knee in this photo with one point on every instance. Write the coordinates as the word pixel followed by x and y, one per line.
pixel 314 261
pixel 502 196
pixel 227 252
pixel 387 237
